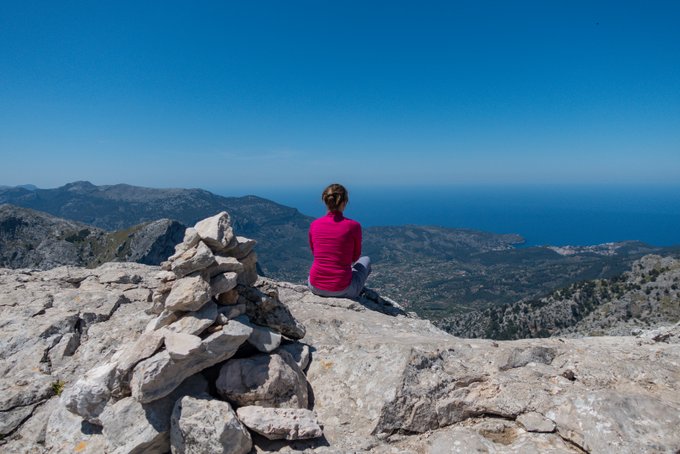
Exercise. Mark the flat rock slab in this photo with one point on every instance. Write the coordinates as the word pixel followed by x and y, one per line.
pixel 188 294
pixel 536 422
pixel 194 259
pixel 195 322
pixel 262 338
pixel 181 345
pixel 224 264
pixel 206 425
pixel 281 423
pixel 266 380
pixel 159 375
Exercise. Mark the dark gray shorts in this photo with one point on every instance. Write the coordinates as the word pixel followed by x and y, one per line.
pixel 360 271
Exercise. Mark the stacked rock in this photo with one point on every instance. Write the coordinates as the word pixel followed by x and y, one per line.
pixel 212 312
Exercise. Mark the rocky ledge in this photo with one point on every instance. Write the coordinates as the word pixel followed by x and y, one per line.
pixel 205 356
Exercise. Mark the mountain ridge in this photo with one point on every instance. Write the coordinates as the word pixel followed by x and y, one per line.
pixel 436 271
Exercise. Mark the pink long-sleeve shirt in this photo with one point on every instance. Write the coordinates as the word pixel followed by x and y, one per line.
pixel 336 243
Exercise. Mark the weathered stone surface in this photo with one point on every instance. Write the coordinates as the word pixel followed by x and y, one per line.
pixel 299 352
pixel 53 333
pixel 138 294
pixel 166 276
pixel 216 231
pixel 228 298
pixel 32 432
pixel 182 345
pixel 118 276
pixel 222 283
pixel 280 423
pixel 262 338
pixel 195 322
pixel 375 375
pixel 224 264
pixel 67 432
pixel 206 425
pixel 265 380
pixel 132 427
pixel 521 357
pixel 536 422
pixel 243 247
pixel 159 375
pixel 132 353
pixel 233 311
pixel 264 308
pixel 188 294
pixel 159 295
pixel 89 395
pixel 66 347
pixel 249 274
pixel 165 318
pixel 191 239
pixel 11 419
pixel 195 259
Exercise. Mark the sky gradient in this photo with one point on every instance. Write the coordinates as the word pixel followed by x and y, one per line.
pixel 245 95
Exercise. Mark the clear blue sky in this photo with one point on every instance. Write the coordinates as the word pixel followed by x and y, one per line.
pixel 281 94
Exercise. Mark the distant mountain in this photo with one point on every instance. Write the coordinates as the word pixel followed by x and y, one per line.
pixel 32 239
pixel 647 296
pixel 30 187
pixel 281 231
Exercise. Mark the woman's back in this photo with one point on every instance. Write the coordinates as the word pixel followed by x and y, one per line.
pixel 336 243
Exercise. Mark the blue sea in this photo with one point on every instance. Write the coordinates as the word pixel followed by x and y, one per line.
pixel 554 215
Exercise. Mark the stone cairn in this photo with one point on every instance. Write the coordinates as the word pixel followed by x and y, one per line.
pixel 213 320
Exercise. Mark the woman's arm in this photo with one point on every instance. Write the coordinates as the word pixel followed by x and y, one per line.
pixel 357 243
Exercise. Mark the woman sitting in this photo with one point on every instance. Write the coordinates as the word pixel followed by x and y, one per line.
pixel 338 269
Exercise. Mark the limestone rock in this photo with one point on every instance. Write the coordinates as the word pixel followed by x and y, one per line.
pixel 249 274
pixel 280 423
pixel 216 231
pixel 132 427
pixel 157 376
pixel 89 395
pixel 222 283
pixel 374 376
pixel 224 264
pixel 195 259
pixel 205 425
pixel 266 380
pixel 262 338
pixel 181 345
pixel 228 298
pixel 264 308
pixel 195 322
pixel 243 247
pixel 191 239
pixel 233 311
pixel 67 432
pixel 188 294
pixel 299 352
pixel 536 422
pixel 127 358
pixel 166 276
pixel 11 419
pixel 165 318
pixel 522 357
